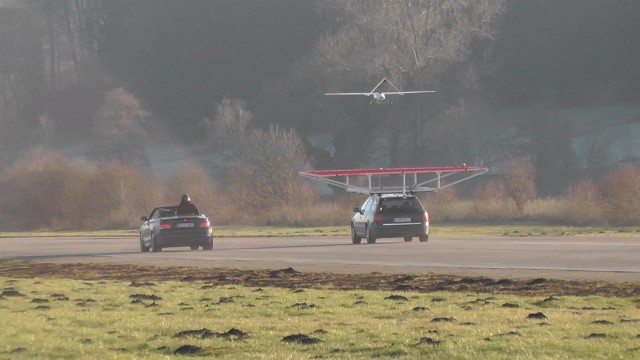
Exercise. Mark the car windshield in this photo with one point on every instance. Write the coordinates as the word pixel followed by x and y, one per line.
pixel 400 204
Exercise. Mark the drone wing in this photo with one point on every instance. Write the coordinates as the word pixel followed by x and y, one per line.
pixel 408 92
pixel 367 94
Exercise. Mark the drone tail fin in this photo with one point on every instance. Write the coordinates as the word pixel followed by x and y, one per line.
pixel 398 90
pixel 377 86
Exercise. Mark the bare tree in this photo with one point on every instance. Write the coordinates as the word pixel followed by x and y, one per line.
pixel 409 35
pixel 229 126
pixel 262 166
pixel 119 129
pixel 276 156
pixel 519 182
pixel 56 26
pixel 44 132
pixel 23 79
pixel 265 174
pixel 40 60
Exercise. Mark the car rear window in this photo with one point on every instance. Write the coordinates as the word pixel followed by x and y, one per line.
pixel 167 212
pixel 400 204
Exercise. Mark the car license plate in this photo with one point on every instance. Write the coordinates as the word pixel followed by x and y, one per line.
pixel 402 220
pixel 184 225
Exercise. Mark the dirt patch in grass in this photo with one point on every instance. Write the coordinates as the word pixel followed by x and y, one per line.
pixel 290 278
pixel 301 339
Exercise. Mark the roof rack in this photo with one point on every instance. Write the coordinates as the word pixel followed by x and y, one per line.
pixel 396 180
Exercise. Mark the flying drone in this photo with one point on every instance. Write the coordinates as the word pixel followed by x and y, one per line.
pixel 380 96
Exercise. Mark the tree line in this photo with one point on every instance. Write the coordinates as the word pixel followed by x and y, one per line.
pixel 234 77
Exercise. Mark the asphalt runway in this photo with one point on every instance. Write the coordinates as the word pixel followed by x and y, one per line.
pixel 579 258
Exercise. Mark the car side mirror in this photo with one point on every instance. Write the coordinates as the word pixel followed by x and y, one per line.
pixel 358 210
pixel 144 218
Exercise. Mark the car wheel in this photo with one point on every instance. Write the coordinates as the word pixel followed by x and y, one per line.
pixel 153 246
pixel 370 238
pixel 208 246
pixel 142 247
pixel 194 247
pixel 424 238
pixel 354 237
pixel 408 239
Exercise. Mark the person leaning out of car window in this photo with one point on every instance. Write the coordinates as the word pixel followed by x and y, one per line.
pixel 187 207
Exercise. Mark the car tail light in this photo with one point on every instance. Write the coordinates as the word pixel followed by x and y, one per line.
pixel 425 217
pixel 165 225
pixel 205 223
pixel 377 218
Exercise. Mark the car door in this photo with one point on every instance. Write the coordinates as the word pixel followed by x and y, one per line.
pixel 359 219
pixel 146 228
pixel 369 213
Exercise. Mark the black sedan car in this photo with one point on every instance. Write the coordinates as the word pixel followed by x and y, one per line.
pixel 164 227
pixel 390 216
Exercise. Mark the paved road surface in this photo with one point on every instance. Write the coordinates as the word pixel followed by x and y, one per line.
pixel 598 258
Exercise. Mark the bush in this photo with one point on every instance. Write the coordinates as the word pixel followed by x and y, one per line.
pixel 490 202
pixel 42 191
pixel 45 192
pixel 309 209
pixel 280 202
pixel 621 197
pixel 459 210
pixel 119 195
pixel 301 208
pixel 549 210
pixel 582 205
pixel 442 205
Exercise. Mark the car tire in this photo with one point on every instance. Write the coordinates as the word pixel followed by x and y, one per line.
pixel 371 239
pixel 408 239
pixel 194 247
pixel 153 246
pixel 355 239
pixel 142 247
pixel 208 246
pixel 424 238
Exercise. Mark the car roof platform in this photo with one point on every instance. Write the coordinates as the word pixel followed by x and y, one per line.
pixel 396 180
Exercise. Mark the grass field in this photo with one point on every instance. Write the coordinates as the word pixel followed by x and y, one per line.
pixel 61 318
pixel 71 319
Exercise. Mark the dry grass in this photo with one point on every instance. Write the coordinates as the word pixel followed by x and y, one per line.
pixel 322 214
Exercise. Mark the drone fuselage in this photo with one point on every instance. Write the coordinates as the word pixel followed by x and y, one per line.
pixel 379 97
